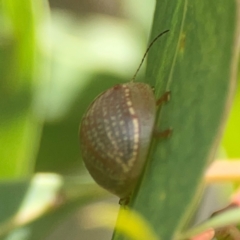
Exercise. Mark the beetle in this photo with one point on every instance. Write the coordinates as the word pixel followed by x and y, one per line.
pixel 116 131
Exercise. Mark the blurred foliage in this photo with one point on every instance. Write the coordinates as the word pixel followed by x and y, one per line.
pixel 52 65
pixel 231 136
pixel 18 129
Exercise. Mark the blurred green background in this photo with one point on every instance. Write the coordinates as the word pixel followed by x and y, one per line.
pixel 55 58
pixel 53 64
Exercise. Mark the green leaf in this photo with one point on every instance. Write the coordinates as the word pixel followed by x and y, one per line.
pixel 19 127
pixel 197 62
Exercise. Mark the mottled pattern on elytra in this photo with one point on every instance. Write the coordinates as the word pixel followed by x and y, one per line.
pixel 110 130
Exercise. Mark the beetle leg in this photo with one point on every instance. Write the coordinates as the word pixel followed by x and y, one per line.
pixel 164 134
pixel 124 201
pixel 164 98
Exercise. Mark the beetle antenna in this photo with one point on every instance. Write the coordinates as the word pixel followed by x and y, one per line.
pixel 145 54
